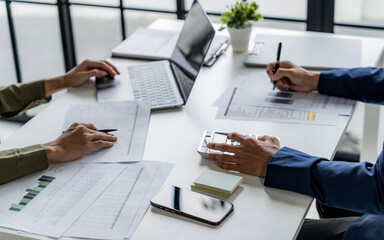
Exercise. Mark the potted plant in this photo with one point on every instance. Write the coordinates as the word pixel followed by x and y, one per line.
pixel 238 23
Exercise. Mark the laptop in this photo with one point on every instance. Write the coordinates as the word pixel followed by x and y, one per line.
pixel 314 52
pixel 167 83
pixel 158 44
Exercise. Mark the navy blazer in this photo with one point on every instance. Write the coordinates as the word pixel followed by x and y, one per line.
pixel 354 186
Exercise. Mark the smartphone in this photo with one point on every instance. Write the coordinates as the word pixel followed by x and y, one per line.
pixel 193 205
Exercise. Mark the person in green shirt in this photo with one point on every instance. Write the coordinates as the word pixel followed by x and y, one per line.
pixel 78 140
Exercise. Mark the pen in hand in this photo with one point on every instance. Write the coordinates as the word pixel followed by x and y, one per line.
pixel 277 65
pixel 107 130
pixel 104 130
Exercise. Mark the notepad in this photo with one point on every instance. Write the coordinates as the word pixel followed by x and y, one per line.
pixel 218 183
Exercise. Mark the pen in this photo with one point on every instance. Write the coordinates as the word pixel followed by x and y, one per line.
pixel 221 50
pixel 104 130
pixel 107 130
pixel 277 65
pixel 217 54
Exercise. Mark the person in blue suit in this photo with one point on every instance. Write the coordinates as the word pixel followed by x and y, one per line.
pixel 357 187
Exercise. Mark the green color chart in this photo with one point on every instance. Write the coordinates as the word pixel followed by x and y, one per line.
pixel 44 181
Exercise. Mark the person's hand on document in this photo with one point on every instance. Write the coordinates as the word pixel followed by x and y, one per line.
pixel 80 74
pixel 250 157
pixel 293 77
pixel 78 140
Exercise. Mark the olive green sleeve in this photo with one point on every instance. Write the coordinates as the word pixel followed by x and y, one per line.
pixel 18 98
pixel 16 163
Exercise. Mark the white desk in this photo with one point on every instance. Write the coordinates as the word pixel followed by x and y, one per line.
pixel 174 135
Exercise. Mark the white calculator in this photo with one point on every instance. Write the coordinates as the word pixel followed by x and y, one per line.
pixel 210 136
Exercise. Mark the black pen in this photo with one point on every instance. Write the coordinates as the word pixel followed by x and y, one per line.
pixel 107 130
pixel 277 65
pixel 104 130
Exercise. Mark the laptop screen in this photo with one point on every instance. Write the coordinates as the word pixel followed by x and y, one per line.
pixel 191 48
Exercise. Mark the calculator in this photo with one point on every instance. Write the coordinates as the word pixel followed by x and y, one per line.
pixel 210 136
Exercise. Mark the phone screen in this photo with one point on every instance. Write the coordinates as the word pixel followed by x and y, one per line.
pixel 193 205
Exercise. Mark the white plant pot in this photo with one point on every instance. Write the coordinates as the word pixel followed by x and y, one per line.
pixel 240 38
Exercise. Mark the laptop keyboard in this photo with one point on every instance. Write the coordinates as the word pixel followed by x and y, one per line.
pixel 151 82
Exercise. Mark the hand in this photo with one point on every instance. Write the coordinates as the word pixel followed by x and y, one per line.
pixel 293 77
pixel 77 141
pixel 80 74
pixel 251 156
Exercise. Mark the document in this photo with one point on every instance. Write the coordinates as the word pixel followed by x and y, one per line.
pixel 258 91
pixel 161 175
pixel 252 98
pixel 131 120
pixel 116 211
pixel 50 201
pixel 256 113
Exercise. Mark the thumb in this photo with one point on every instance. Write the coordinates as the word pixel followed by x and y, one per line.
pixel 281 73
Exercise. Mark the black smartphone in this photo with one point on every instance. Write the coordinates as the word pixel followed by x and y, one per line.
pixel 192 205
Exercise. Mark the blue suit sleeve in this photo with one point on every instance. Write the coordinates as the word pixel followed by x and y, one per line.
pixel 354 186
pixel 366 227
pixel 362 84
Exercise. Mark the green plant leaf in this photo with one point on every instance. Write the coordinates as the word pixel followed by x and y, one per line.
pixel 240 14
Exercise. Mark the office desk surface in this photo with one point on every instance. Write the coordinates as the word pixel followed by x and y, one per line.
pixel 174 135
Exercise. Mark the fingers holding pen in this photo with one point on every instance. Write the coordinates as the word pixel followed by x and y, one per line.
pixel 94 136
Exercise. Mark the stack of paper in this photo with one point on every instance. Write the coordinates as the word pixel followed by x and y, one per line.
pixel 69 189
pixel 94 197
pixel 117 212
pixel 253 99
pixel 98 201
pixel 218 183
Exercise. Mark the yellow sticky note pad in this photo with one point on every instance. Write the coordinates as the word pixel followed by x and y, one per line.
pixel 216 183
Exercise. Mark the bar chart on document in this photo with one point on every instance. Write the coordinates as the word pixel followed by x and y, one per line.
pixel 251 98
pixel 43 182
pixel 49 202
pixel 240 111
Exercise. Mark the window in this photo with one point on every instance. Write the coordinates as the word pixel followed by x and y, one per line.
pixel 7 67
pixel 297 9
pixel 135 19
pixel 38 39
pixel 96 31
pixel 99 25
pixel 169 5
pixel 359 12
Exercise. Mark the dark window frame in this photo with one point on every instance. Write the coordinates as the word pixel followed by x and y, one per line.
pixel 320 18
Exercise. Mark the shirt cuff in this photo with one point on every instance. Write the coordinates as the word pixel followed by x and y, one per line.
pixel 16 163
pixel 329 83
pixel 23 97
pixel 36 89
pixel 34 158
pixel 289 169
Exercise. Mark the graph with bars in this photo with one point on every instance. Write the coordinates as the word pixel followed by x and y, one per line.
pixel 44 181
